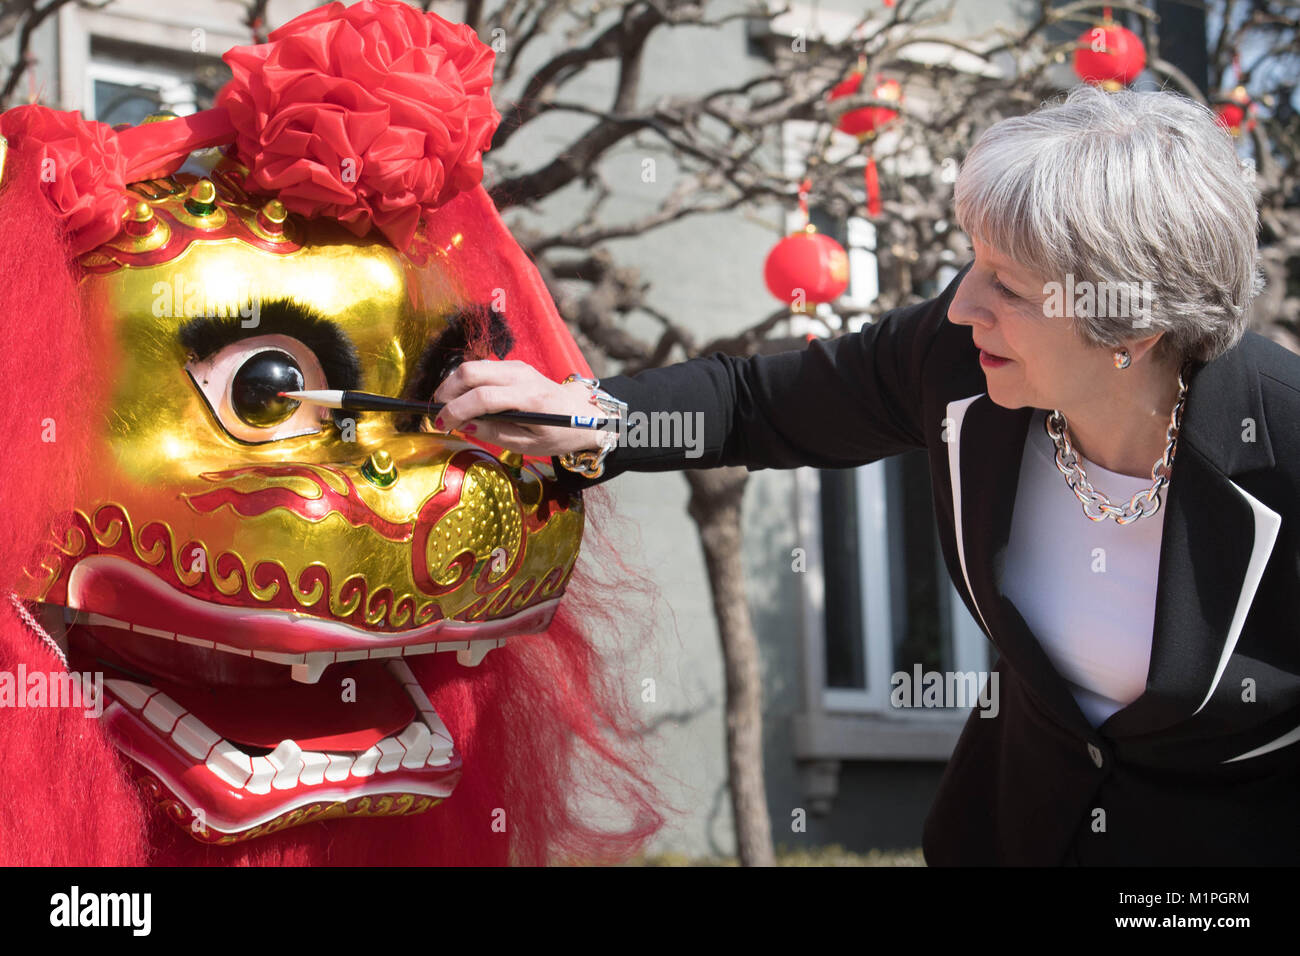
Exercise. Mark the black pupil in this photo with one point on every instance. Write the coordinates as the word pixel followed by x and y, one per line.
pixel 254 391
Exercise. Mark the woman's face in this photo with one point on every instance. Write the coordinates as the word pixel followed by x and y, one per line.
pixel 1046 364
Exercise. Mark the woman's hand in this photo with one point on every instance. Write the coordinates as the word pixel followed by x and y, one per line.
pixel 485 386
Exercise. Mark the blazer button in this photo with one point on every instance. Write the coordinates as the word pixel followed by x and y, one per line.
pixel 1095 754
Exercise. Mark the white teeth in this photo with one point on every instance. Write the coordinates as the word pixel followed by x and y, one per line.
pixel 440 751
pixel 425 742
pixel 129 692
pixel 477 651
pixel 230 764
pixel 338 769
pixel 309 672
pixel 412 649
pixel 365 764
pixel 194 737
pixel 417 738
pixel 263 774
pixel 313 767
pixel 100 620
pixel 390 755
pixel 307 668
pixel 440 742
pixel 154 632
pixel 276 657
pixel 288 763
pixel 285 753
pixel 163 712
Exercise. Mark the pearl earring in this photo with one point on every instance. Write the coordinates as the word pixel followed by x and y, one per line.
pixel 1122 358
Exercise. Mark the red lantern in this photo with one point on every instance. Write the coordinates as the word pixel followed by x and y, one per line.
pixel 1236 112
pixel 1109 55
pixel 805 268
pixel 865 122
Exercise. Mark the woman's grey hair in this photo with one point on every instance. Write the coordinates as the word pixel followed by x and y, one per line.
pixel 1124 188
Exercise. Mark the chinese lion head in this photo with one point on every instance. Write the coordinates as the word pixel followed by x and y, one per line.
pixel 315 627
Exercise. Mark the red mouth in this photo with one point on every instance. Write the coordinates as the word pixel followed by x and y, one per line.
pixel 228 711
pixel 223 791
pixel 989 360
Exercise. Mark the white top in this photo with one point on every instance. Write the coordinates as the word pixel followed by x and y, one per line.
pixel 1087 589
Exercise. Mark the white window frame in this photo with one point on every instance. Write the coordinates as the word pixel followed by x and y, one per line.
pixel 146 24
pixel 969 645
pixel 175 93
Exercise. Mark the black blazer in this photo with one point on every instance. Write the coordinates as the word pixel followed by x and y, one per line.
pixel 1204 767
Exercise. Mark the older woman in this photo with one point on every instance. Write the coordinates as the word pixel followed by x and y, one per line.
pixel 1116 468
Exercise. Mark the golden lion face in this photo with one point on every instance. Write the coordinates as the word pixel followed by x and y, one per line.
pixel 241 557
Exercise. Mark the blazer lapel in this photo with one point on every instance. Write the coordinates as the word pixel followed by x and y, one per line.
pixel 1216 540
pixel 984 461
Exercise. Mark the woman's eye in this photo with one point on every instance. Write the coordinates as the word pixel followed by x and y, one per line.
pixel 255 389
pixel 1004 291
pixel 242 382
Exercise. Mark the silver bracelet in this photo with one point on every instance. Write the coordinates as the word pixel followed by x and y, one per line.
pixel 591 464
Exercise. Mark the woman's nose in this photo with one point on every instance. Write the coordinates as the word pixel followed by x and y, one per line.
pixel 966 308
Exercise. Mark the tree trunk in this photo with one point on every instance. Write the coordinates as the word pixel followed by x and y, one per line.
pixel 716 496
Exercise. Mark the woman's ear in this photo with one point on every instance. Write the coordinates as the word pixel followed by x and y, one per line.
pixel 1137 348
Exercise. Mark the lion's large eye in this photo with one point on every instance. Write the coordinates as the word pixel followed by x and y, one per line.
pixel 241 384
pixel 255 389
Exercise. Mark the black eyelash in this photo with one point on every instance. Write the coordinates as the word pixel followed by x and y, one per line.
pixel 205 335
pixel 472 333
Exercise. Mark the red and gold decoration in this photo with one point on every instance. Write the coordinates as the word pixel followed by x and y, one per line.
pixel 1235 111
pixel 865 123
pixel 1109 54
pixel 806 267
pixel 300 616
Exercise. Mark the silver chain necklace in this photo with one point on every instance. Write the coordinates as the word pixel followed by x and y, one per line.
pixel 1095 504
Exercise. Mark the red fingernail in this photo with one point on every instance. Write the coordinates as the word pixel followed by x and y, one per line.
pixel 437 422
pixel 469 428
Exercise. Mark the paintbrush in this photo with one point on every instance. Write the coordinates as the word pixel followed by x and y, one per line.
pixel 353 401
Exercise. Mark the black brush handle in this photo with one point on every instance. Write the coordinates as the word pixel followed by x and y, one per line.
pixel 366 402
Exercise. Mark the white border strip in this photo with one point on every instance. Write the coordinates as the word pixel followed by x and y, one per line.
pixel 1267 524
pixel 957 413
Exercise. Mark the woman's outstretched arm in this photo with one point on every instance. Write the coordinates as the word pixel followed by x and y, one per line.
pixel 838 403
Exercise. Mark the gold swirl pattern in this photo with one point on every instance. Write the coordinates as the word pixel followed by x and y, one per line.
pixel 381 805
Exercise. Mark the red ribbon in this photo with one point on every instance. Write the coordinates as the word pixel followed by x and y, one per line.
pixel 872 182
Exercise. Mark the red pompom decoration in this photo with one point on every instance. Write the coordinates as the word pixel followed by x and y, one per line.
pixel 805 268
pixel 373 114
pixel 81 168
